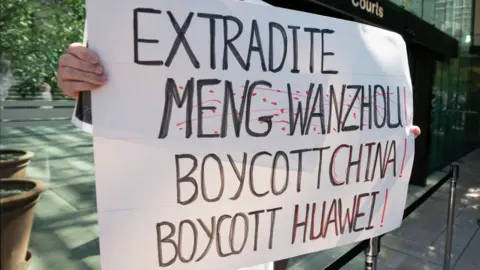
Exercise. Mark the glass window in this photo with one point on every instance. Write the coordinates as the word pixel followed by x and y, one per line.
pixel 414 6
pixel 398 2
pixel 440 13
pixel 464 78
pixel 429 11
pixel 464 19
pixel 443 151
pixel 452 109
pixel 472 118
pixel 450 23
pixel 434 148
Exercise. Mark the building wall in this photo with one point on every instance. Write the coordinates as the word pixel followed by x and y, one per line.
pixel 455 107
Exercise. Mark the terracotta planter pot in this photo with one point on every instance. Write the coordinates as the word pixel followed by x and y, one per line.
pixel 13 163
pixel 17 201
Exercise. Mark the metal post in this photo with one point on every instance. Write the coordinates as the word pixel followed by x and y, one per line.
pixel 371 253
pixel 454 170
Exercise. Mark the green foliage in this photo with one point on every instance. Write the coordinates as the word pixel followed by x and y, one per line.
pixel 33 34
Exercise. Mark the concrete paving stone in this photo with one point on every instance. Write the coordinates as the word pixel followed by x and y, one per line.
pixel 50 252
pixel 318 260
pixel 359 263
pixel 467 218
pixel 71 180
pixel 392 259
pixel 53 211
pixel 389 258
pixel 467 267
pixel 418 264
pixel 419 250
pixel 59 233
pixel 80 195
pixel 470 259
pixel 414 192
pixel 415 230
pixel 43 132
pixel 85 218
pixel 51 205
pixel 460 240
pixel 63 171
pixel 56 173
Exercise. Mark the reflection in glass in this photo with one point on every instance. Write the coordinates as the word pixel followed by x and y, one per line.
pixel 429 11
pixel 414 6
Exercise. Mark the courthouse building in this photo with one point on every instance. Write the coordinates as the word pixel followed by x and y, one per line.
pixel 445 72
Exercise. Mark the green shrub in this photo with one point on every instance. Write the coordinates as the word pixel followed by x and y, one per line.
pixel 33 34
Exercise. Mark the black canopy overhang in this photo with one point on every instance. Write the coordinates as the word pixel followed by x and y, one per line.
pixel 395 18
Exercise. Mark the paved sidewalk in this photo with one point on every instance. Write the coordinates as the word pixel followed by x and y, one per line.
pixel 65 232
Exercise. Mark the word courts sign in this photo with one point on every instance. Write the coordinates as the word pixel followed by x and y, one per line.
pixel 373 7
pixel 233 134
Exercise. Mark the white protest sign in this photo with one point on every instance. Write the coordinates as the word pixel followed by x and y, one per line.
pixel 232 134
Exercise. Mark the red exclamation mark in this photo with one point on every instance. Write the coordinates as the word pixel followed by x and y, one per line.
pixel 384 207
pixel 406 123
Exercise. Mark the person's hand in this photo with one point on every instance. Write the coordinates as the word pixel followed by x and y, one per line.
pixel 79 70
pixel 415 130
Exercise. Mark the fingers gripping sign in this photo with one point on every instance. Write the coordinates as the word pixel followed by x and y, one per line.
pixel 79 70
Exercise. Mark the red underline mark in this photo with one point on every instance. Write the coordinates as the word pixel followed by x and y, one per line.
pixel 220 115
pixel 206 101
pixel 283 110
pixel 276 91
